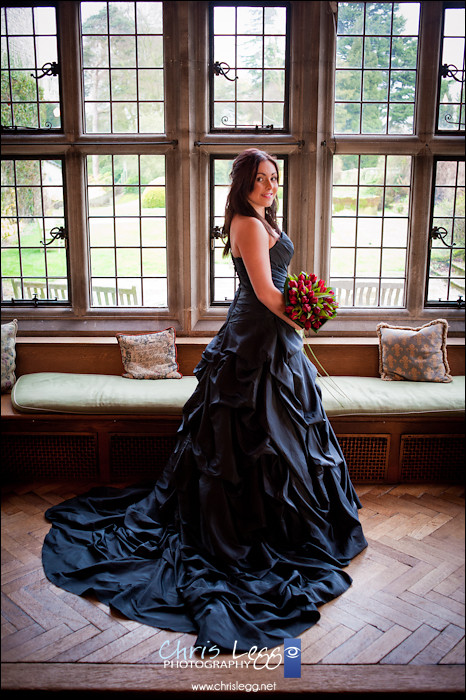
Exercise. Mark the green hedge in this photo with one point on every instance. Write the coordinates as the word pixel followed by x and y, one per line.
pixel 153 198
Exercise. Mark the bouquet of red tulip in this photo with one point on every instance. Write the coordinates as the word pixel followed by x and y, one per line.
pixel 310 304
pixel 308 301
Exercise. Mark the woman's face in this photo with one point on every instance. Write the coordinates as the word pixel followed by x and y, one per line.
pixel 265 187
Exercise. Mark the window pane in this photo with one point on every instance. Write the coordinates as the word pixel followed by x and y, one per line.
pixel 376 59
pixel 349 52
pixel 376 52
pixel 127 38
pixel 127 230
pixel 446 266
pixel 29 48
pixel 33 215
pixel 248 55
pixel 452 98
pixel 350 18
pixel 369 239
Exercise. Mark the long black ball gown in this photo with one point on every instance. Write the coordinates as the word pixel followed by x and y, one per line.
pixel 245 533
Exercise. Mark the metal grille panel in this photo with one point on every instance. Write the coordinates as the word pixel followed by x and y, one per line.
pixel 139 455
pixel 49 456
pixel 432 458
pixel 366 456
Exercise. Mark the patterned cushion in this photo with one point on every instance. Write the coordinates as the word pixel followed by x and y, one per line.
pixel 414 354
pixel 8 355
pixel 149 355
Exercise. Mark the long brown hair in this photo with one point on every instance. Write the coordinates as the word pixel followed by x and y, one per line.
pixel 243 176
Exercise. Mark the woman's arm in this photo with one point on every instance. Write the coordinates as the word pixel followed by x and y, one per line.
pixel 251 240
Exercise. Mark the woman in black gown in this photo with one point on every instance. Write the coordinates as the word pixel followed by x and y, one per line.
pixel 245 533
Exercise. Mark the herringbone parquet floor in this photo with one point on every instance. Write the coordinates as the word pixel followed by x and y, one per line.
pixel 400 627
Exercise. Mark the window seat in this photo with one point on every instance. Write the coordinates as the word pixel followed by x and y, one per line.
pixel 59 392
pixel 72 415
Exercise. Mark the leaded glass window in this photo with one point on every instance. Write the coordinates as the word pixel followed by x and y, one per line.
pixel 122 55
pixel 376 66
pixel 446 266
pixel 370 229
pixel 127 230
pixel 34 231
pixel 30 69
pixel 248 66
pixel 451 112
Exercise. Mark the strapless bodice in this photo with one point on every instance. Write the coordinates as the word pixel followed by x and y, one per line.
pixel 280 256
pixel 245 299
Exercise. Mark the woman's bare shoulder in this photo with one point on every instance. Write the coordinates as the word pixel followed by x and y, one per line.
pixel 247 227
pixel 241 222
pixel 246 231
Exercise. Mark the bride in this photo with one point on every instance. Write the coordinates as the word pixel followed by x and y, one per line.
pixel 246 533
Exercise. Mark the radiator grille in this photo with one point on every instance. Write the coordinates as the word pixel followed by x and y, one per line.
pixel 139 455
pixel 65 455
pixel 366 456
pixel 49 456
pixel 432 458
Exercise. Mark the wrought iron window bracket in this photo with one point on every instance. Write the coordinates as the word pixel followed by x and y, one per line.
pixel 239 143
pixel 448 70
pixel 50 68
pixel 269 127
pixel 215 233
pixel 439 233
pixel 34 301
pixel 16 127
pixel 61 233
pixel 222 68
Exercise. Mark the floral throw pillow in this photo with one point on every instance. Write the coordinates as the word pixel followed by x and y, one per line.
pixel 414 354
pixel 149 355
pixel 9 355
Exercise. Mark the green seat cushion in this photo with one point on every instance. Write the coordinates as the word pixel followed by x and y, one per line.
pixel 58 392
pixel 347 396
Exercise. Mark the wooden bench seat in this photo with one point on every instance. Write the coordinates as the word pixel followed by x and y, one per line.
pixel 379 447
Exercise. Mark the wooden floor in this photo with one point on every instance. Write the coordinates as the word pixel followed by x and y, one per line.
pixel 400 627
